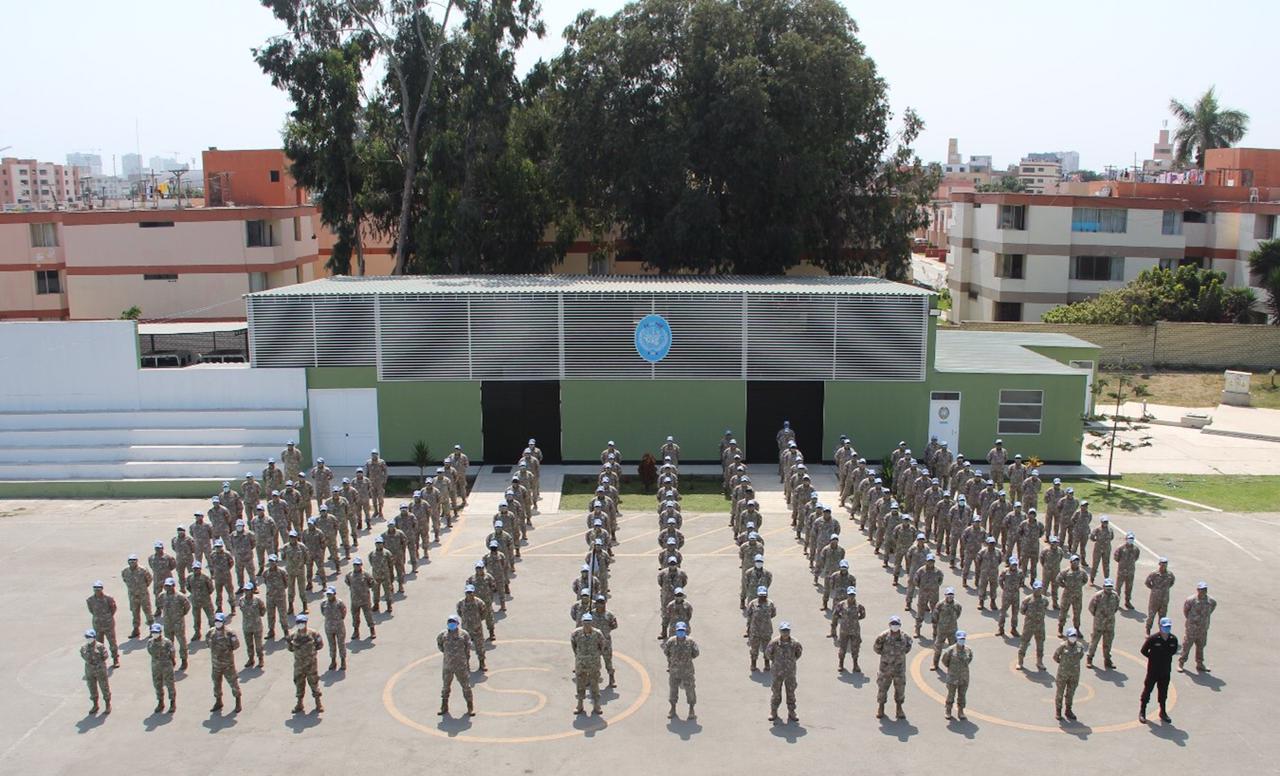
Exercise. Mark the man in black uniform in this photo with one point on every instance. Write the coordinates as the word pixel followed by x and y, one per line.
pixel 1159 650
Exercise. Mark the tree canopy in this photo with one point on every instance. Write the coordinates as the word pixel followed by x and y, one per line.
pixel 1187 293
pixel 1264 263
pixel 1203 125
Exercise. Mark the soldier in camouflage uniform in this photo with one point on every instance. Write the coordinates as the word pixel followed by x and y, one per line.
pixel 407 522
pixel 220 565
pixel 1068 657
pixel 753 578
pixel 250 493
pixel 972 540
pixel 272 476
pixel 276 582
pixel 322 479
pixel 163 660
pixel 184 552
pixel 836 584
pixel 1051 558
pixel 376 468
pixel 252 610
pixel 102 612
pixel 306 493
pixel 200 588
pixel 313 540
pixel 759 614
pixel 327 522
pixel 361 505
pixel 1126 558
pixel 1159 582
pixel 827 563
pixel 1102 537
pixel 1197 611
pixel 846 627
pixel 94 655
pixel 988 573
pixel 486 588
pixel 291 458
pixel 892 646
pixel 471 611
pixel 997 459
pixel 381 567
pixel 1033 611
pixel 305 644
pixel 1028 543
pixel 1053 524
pixel 588 646
pixel 495 563
pixel 455 649
pixel 360 586
pixel 1071 582
pixel 946 622
pixel 607 623
pixel 1010 588
pixel 681 651
pixel 222 655
pixel 162 567
pixel 956 660
pixel 927 581
pixel 297 565
pixel 172 614
pixel 242 547
pixel 783 653
pixel 676 610
pixel 266 537
pixel 1103 606
pixel 394 540
pixel 136 579
pixel 335 628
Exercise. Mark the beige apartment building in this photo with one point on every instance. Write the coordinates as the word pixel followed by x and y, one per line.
pixel 1039 177
pixel 27 183
pixel 1014 256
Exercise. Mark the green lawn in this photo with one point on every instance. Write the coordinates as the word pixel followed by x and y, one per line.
pixel 1234 493
pixel 697 494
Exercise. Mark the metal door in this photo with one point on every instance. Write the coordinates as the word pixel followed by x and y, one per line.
pixel 944 418
pixel 344 424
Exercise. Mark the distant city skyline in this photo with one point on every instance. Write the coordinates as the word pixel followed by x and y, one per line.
pixel 1098 82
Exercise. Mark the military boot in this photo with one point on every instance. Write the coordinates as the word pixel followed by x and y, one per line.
pixel 856 669
pixel 319 705
pixel 899 712
pixel 217 705
pixel 297 707
pixel 880 711
pixel 960 713
pixel 671 713
pixel 579 711
pixel 173 703
pixel 373 633
pixel 333 664
pixel 341 666
pixel 159 705
pixel 134 634
pixel 613 682
pixel 238 707
pixel 1142 714
pixel 1057 711
pixel 755 668
pixel 1164 716
pixel 948 715
pixel 183 665
pixel 471 707
pixel 692 716
pixel 106 709
pixel 791 714
pixel 1069 714
pixel 444 708
pixel 94 710
pixel 773 713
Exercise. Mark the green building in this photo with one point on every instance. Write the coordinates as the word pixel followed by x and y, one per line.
pixel 490 361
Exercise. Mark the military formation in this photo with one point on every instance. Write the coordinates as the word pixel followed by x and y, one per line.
pixel 267 548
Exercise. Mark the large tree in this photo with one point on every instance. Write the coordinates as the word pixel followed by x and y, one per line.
pixel 1203 125
pixel 736 136
pixel 1264 263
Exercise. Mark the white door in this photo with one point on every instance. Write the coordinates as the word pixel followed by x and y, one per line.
pixel 344 424
pixel 944 418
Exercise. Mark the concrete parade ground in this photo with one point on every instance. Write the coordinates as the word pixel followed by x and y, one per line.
pixel 382 710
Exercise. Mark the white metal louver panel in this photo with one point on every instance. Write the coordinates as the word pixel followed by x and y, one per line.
pixel 424 337
pixel 790 337
pixel 599 336
pixel 515 337
pixel 282 334
pixel 881 338
pixel 706 337
pixel 344 331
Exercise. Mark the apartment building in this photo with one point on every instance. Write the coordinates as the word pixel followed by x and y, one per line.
pixel 1014 256
pixel 1040 176
pixel 27 183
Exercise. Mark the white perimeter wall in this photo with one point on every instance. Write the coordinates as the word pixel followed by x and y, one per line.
pixel 93 365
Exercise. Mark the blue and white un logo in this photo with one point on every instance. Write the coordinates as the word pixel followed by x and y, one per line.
pixel 653 338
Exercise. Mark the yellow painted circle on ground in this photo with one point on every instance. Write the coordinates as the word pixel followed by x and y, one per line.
pixel 388 701
pixel 918 677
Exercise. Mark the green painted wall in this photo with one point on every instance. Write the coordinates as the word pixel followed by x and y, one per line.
pixel 441 413
pixel 875 415
pixel 1061 429
pixel 639 414
pixel 201 489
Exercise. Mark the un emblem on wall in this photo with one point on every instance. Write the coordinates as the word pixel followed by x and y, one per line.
pixel 653 338
pixel 944 413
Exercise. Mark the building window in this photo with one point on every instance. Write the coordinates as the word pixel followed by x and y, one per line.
pixel 1010 265
pixel 1020 411
pixel 1264 227
pixel 275 176
pixel 261 234
pixel 1171 223
pixel 1097 267
pixel 1013 217
pixel 1099 219
pixel 1008 311
pixel 1194 217
pixel 44 236
pixel 161 276
pixel 48 282
pixel 257 282
pixel 154 224
pixel 297 229
pixel 1186 261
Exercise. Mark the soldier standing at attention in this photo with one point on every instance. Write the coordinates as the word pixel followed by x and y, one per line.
pixel 681 651
pixel 760 614
pixel 892 646
pixel 1102 537
pixel 846 627
pixel 305 644
pixel 1159 582
pixel 162 567
pixel 222 656
pixel 1159 650
pixel 455 648
pixel 335 627
pixel 291 457
pixel 1010 587
pixel 1126 558
pixel 102 611
pixel 997 458
pixel 471 612
pixel 1197 611
pixel 956 660
pixel 927 580
pixel 588 646
pixel 275 581
pixel 1071 582
pixel 1033 611
pixel 220 565
pixel 94 655
pixel 360 584
pixel 163 660
pixel 377 469
pixel 297 564
pixel 201 590
pixel 946 620
pixel 783 652
pixel 381 563
pixel 1067 656
pixel 173 613
pixel 607 623
pixel 184 552
pixel 1050 566
pixel 136 579
pixel 1103 606
pixel 252 610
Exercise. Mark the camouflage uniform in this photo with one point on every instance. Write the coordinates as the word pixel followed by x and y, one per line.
pixel 394 540
pixel 136 579
pixel 222 651
pixel 251 494
pixel 94 656
pixel 680 655
pixel 760 616
pixel 162 567
pixel 605 622
pixel 956 660
pixel 997 458
pixel 455 647
pixel 1197 612
pixel 486 587
pixel 783 654
pixel 305 645
pixel 753 578
pixel 252 610
pixel 495 564
pixel 678 609
pixel 471 612
pixel 162 661
pixel 1051 558
pixel 846 629
pixel 313 539
pixel 1010 587
pixel 587 651
pixel 275 583
pixel 265 537
pixel 376 469
pixel 272 478
pixel 946 621
pixel 927 580
pixel 172 615
pixel 1068 657
pixel 1159 583
pixel 359 586
pixel 184 552
pixel 1102 537
pixel 102 611
pixel 1103 606
pixel 335 630
pixel 220 565
pixel 291 457
pixel 1071 581
pixel 1126 558
pixel 1034 607
pixel 892 649
pixel 242 545
pixel 200 588
pixel 988 574
pixel 297 562
pixel 380 566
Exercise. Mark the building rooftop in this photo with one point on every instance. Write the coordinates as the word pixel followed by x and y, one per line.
pixel 594 284
pixel 1002 352
pixel 194 327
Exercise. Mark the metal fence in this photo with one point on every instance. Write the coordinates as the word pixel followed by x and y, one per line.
pixel 1182 345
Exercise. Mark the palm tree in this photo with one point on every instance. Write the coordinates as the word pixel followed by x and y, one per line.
pixel 1264 264
pixel 1204 125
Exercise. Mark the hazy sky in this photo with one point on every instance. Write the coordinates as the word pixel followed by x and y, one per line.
pixel 1004 76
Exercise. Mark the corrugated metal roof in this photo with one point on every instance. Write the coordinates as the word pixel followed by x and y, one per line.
pixel 594 284
pixel 998 352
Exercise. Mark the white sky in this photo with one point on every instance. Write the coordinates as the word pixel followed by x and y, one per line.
pixel 1004 76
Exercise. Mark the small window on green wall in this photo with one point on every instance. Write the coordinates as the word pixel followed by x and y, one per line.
pixel 1020 411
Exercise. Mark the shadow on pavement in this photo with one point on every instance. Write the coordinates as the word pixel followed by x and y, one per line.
pixel 1170 733
pixel 452 726
pixel 300 723
pixel 589 724
pixel 1077 729
pixel 90 722
pixel 1042 678
pixel 1112 676
pixel 900 729
pixel 857 680
pixel 156 721
pixel 684 728
pixel 965 728
pixel 218 721
pixel 788 731
pixel 1207 680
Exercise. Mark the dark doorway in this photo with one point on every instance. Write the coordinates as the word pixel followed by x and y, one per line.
pixel 769 403
pixel 515 411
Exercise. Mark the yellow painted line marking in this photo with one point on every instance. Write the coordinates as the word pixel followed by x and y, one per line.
pixel 1068 729
pixel 542 699
pixel 388 701
pixel 443 549
pixel 567 537
pixel 766 534
pixel 657 531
